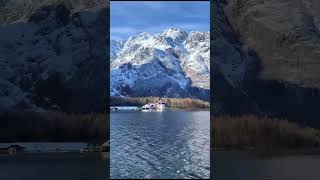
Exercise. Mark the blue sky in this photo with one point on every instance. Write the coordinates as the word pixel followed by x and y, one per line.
pixel 131 18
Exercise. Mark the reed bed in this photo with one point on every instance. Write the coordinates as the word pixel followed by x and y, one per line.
pixel 249 131
pixel 54 126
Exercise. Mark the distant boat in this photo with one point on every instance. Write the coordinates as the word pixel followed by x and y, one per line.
pixel 113 108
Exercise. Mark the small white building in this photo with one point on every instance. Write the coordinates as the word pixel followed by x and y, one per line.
pixel 160 105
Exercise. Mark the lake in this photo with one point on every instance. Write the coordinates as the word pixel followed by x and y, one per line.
pixel 166 144
pixel 53 166
pixel 247 165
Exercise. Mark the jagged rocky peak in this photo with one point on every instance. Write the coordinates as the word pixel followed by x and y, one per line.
pixel 144 35
pixel 166 58
pixel 176 34
pixel 197 37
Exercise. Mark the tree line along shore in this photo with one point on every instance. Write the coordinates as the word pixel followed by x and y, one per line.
pixel 178 103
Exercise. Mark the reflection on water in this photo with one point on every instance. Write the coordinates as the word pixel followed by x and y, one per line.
pixel 246 165
pixel 61 166
pixel 169 144
pixel 30 147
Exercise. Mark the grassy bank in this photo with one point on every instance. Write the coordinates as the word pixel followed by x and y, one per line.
pixel 180 103
pixel 52 126
pixel 262 133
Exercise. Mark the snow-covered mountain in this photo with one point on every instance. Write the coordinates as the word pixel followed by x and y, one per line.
pixel 53 55
pixel 173 63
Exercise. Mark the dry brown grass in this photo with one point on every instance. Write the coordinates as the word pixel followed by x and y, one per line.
pixel 52 126
pixel 251 131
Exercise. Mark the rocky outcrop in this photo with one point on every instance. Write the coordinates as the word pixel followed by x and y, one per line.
pixel 229 62
pixel 53 55
pixel 284 34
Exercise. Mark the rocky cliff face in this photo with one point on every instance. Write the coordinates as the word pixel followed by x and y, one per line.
pixel 174 63
pixel 53 55
pixel 277 43
pixel 285 35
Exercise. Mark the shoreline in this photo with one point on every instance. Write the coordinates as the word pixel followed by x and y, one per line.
pixel 168 109
pixel 181 103
pixel 271 152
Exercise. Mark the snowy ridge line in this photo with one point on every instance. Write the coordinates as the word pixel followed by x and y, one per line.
pixel 176 59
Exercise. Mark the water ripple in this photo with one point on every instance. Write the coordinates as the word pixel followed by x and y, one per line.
pixel 160 145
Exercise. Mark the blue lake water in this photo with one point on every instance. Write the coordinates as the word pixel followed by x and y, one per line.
pixel 247 165
pixel 53 166
pixel 168 144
